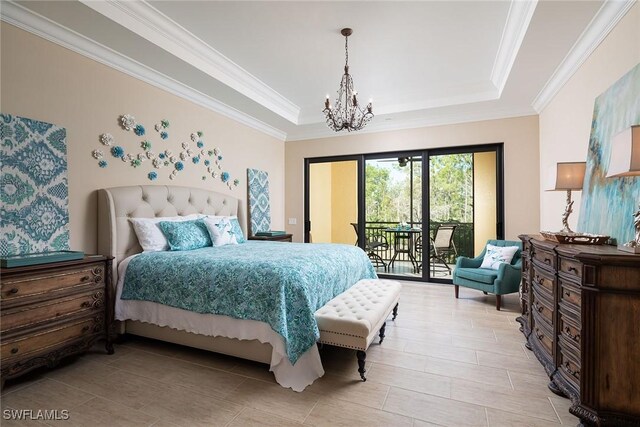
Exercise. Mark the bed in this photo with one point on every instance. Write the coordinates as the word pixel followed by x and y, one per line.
pixel 156 312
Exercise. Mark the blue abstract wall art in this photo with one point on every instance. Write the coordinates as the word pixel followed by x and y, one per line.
pixel 33 188
pixel 608 204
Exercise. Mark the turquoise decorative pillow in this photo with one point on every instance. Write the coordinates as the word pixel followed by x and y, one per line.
pixel 496 255
pixel 185 235
pixel 236 230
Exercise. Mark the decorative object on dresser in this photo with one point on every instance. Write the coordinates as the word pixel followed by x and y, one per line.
pixel 259 204
pixel 505 279
pixel 625 162
pixel 274 238
pixel 34 195
pixel 580 314
pixel 570 176
pixel 50 311
pixel 607 203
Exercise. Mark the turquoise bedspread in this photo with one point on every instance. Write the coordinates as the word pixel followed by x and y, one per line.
pixel 282 284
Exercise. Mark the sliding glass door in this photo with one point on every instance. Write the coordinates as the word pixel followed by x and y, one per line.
pixel 413 212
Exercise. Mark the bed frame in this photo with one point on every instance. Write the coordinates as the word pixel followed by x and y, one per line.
pixel 116 238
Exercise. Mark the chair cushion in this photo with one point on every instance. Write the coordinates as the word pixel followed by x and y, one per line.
pixel 481 275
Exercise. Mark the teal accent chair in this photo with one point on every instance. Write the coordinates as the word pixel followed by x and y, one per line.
pixel 505 280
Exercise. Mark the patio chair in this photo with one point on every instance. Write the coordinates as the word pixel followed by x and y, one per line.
pixel 442 246
pixel 373 244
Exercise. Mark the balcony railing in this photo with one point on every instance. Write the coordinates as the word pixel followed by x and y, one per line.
pixel 376 232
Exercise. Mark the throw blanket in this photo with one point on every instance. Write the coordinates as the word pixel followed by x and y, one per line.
pixel 281 284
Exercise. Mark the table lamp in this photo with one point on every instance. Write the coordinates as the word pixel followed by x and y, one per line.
pixel 569 176
pixel 625 162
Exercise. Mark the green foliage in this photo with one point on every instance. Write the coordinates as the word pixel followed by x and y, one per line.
pixel 451 187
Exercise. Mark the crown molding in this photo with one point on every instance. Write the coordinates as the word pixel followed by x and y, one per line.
pixel 320 131
pixel 600 26
pixel 148 22
pixel 34 23
pixel 515 28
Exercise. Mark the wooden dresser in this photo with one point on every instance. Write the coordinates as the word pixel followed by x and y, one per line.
pixel 581 317
pixel 50 311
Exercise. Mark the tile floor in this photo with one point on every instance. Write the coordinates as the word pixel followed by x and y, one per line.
pixel 444 362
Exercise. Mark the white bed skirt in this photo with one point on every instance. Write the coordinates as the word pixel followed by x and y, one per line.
pixel 307 369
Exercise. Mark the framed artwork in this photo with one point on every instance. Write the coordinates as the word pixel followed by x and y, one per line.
pixel 608 204
pixel 259 204
pixel 33 189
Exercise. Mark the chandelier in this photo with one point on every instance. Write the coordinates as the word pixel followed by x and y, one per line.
pixel 347 114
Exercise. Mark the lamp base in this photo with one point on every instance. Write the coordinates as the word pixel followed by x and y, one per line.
pixel 629 249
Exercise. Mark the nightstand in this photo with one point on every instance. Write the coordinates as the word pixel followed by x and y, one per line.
pixel 279 238
pixel 50 311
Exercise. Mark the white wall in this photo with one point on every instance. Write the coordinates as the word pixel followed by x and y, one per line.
pixel 565 124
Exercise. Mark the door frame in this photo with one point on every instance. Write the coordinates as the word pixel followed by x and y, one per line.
pixel 361 159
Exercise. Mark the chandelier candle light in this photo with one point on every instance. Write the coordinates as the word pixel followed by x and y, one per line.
pixel 347 113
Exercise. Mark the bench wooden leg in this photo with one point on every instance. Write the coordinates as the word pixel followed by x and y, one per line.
pixel 395 313
pixel 362 356
pixel 381 334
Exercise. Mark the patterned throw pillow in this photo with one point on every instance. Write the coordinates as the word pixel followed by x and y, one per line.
pixel 185 235
pixel 236 229
pixel 221 231
pixel 497 255
pixel 149 234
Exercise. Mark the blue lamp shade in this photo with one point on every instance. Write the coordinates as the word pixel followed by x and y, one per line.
pixel 625 154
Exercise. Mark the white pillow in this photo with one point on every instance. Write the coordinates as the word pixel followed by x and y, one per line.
pixel 220 230
pixel 497 255
pixel 149 234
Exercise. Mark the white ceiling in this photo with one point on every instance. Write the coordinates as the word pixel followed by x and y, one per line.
pixel 272 63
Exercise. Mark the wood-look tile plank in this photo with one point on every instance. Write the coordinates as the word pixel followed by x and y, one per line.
pixel 508 419
pixel 331 413
pixel 422 382
pixel 562 406
pixel 447 352
pixel 46 394
pixel 481 374
pixel 274 399
pixel 370 393
pixel 434 409
pixel 512 363
pixel 510 401
pixel 99 412
pixel 250 417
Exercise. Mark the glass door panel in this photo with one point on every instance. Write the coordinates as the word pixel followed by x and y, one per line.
pixel 463 207
pixel 333 202
pixel 393 214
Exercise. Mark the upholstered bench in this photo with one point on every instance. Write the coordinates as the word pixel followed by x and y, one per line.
pixel 353 318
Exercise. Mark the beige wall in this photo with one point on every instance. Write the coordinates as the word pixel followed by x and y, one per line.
pixel 520 137
pixel 320 202
pixel 44 81
pixel 484 199
pixel 565 124
pixel 344 201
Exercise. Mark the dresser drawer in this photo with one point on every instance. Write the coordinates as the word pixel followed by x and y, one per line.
pixel 569 365
pixel 542 308
pixel 570 295
pixel 569 328
pixel 52 310
pixel 15 288
pixel 543 337
pixel 544 282
pixel 545 257
pixel 571 268
pixel 50 338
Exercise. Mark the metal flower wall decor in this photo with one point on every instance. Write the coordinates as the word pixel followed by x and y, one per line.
pixel 194 149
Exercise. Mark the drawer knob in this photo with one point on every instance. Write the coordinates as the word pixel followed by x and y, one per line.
pixel 538 307
pixel 85 278
pixel 567 367
pixel 85 304
pixel 575 337
pixel 575 270
pixel 539 335
pixel 14 350
pixel 85 329
pixel 567 294
pixel 13 291
pixel 547 260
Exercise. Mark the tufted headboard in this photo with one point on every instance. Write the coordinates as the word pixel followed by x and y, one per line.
pixel 116 236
